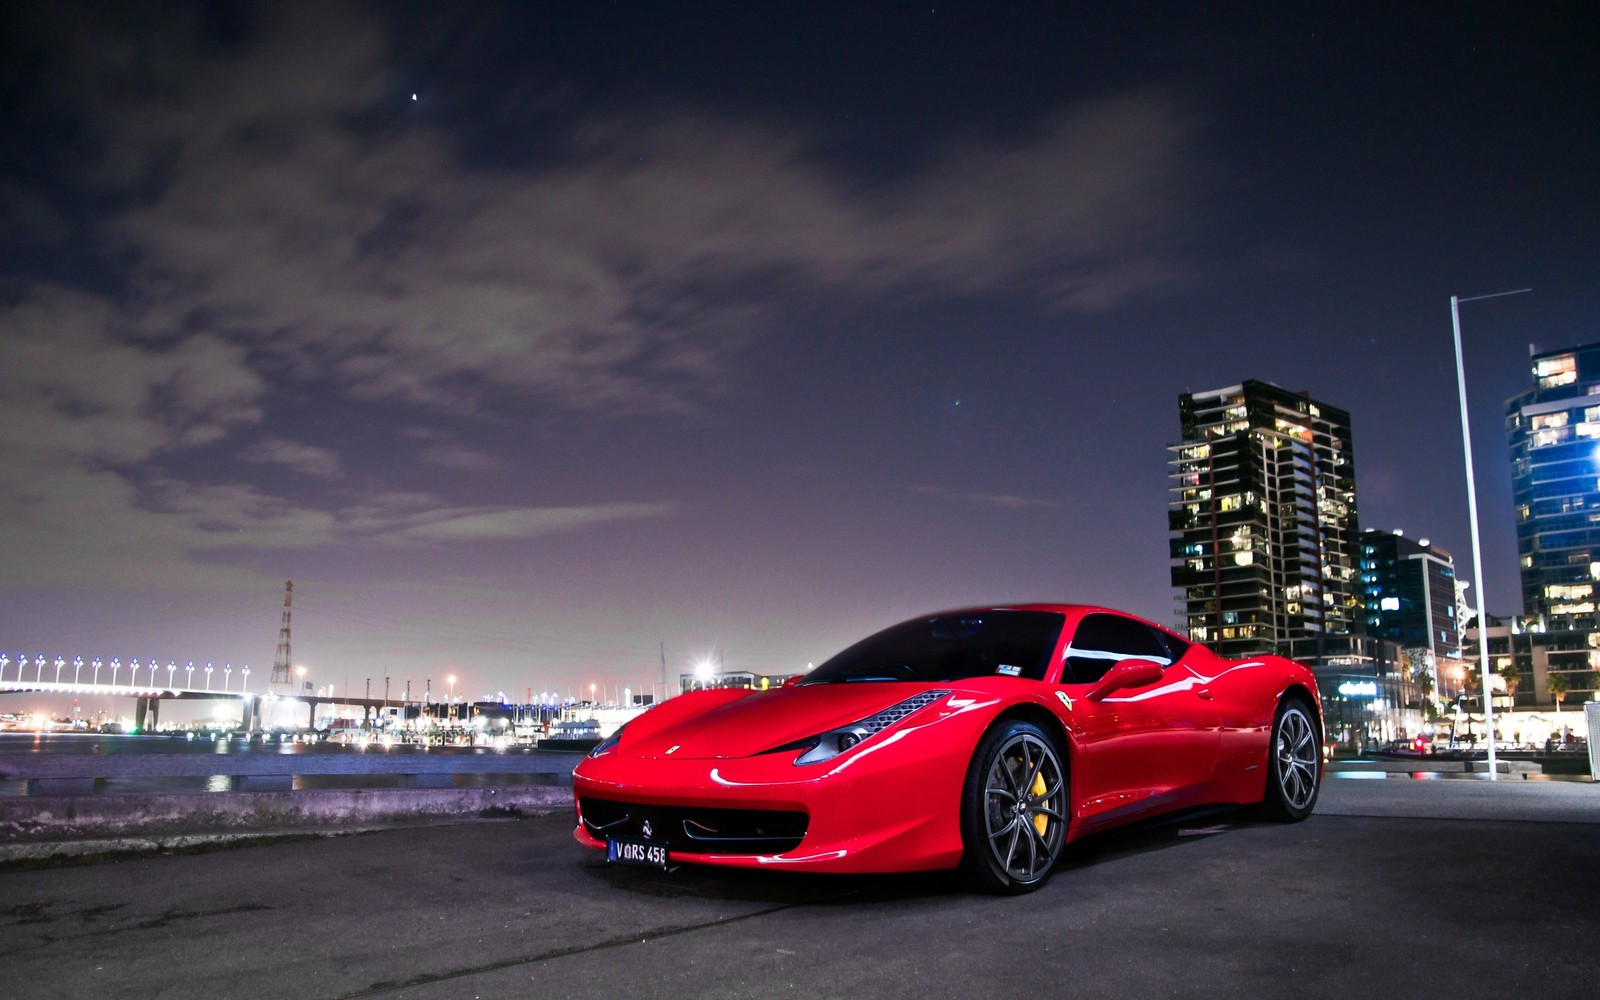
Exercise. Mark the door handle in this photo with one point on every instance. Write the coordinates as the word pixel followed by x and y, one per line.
pixel 1203 693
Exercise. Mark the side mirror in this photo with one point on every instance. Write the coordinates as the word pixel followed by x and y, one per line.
pixel 1127 674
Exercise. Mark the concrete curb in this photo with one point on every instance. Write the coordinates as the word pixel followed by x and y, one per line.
pixel 43 820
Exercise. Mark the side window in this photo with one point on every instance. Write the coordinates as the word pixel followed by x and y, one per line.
pixel 1176 647
pixel 1102 640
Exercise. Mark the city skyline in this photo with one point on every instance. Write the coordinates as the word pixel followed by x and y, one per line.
pixel 528 343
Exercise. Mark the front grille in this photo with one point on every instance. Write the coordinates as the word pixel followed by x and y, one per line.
pixel 696 831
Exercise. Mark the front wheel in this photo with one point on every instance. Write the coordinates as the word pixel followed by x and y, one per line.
pixel 1295 765
pixel 1014 809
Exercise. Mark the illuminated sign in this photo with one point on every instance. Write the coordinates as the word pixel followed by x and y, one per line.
pixel 1359 689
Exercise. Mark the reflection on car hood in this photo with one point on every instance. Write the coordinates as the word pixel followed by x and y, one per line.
pixel 769 719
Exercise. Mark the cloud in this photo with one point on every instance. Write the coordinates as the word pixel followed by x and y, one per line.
pixel 269 221
pixel 307 460
pixel 618 273
pixel 440 450
pixel 1002 501
pixel 527 522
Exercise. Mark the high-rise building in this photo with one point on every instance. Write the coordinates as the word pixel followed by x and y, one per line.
pixel 1264 519
pixel 1409 592
pixel 1553 429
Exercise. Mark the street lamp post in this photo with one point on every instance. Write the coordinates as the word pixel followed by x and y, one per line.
pixel 1472 514
pixel 452 680
pixel 77 668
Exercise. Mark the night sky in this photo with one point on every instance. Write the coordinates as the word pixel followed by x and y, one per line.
pixel 528 339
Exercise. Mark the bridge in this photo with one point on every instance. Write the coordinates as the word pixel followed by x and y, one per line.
pixel 151 682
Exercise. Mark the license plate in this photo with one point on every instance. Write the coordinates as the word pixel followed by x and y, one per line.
pixel 645 853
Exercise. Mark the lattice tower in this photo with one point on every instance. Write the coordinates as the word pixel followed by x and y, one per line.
pixel 280 663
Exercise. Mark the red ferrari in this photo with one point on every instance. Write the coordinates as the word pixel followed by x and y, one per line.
pixel 986 739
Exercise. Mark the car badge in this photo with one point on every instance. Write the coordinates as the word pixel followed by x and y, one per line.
pixel 674 748
pixel 647 832
pixel 1065 699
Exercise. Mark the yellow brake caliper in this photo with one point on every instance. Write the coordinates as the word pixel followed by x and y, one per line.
pixel 1040 821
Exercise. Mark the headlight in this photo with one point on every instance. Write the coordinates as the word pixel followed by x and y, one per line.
pixel 828 745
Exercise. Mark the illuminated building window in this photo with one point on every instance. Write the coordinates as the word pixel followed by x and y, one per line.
pixel 1562 369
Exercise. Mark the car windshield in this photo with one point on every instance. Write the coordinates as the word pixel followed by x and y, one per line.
pixel 949 648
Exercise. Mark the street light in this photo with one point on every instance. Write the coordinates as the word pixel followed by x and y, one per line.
pixel 96 666
pixel 188 676
pixel 77 667
pixel 452 680
pixel 1472 513
pixel 208 675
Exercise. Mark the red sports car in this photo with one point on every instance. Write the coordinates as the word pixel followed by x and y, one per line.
pixel 986 739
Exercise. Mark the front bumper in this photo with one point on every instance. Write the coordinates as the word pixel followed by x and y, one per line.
pixel 891 805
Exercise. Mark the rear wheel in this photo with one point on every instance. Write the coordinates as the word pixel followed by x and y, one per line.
pixel 1014 809
pixel 1295 762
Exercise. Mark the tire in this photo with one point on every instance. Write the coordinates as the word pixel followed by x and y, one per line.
pixel 1014 809
pixel 1294 762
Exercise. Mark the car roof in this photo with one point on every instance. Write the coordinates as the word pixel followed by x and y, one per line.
pixel 1073 612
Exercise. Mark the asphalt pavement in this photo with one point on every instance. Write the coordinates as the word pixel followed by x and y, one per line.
pixel 1394 888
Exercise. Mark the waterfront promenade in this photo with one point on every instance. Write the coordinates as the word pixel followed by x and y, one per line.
pixel 1395 887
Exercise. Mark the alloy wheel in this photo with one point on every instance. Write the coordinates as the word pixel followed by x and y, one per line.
pixel 1296 748
pixel 1024 806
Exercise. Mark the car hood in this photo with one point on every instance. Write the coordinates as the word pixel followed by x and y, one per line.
pixel 768 719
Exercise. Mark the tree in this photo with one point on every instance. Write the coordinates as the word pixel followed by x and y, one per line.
pixel 1508 673
pixel 1559 686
